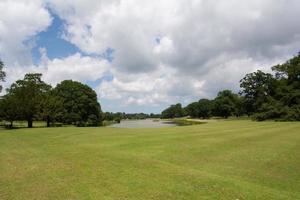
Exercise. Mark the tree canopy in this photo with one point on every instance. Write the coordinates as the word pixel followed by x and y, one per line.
pixel 79 102
pixel 274 97
pixel 256 87
pixel 28 93
pixel 200 109
pixel 225 104
pixel 32 99
pixel 173 111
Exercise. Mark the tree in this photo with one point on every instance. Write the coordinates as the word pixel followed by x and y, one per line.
pixel 256 87
pixel 240 106
pixel 193 109
pixel 2 74
pixel 271 109
pixel 288 79
pixel 9 108
pixel 225 104
pixel 80 103
pixel 29 92
pixel 51 108
pixel 204 108
pixel 173 111
pixel 289 71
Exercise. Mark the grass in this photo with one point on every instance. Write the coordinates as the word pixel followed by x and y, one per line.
pixel 188 122
pixel 221 160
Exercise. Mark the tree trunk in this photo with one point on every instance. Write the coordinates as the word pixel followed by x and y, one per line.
pixel 29 123
pixel 48 121
pixel 11 124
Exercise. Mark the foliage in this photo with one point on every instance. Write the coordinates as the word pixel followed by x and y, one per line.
pixel 173 111
pixel 51 108
pixel 9 108
pixel 274 97
pixel 269 110
pixel 26 95
pixel 193 109
pixel 225 104
pixel 289 71
pixel 110 116
pixel 204 108
pixel 79 102
pixel 200 109
pixel 32 99
pixel 256 87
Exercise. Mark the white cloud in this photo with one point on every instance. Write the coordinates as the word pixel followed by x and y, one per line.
pixel 164 51
pixel 20 20
pixel 161 86
pixel 75 67
pixel 206 45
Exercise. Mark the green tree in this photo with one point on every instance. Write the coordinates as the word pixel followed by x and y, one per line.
pixel 10 109
pixel 79 103
pixel 204 108
pixel 225 104
pixel 288 78
pixel 193 109
pixel 256 87
pixel 240 106
pixel 173 111
pixel 2 74
pixel 51 108
pixel 270 109
pixel 289 71
pixel 29 92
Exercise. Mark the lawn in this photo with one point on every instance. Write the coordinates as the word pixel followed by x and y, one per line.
pixel 221 160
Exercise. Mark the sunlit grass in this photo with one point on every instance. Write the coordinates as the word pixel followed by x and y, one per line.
pixel 221 160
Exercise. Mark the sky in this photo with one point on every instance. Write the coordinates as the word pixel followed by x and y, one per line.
pixel 144 55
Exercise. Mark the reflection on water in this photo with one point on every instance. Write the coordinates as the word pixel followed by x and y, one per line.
pixel 146 123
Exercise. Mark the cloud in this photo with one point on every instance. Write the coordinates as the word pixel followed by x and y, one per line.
pixel 75 67
pixel 150 89
pixel 211 44
pixel 20 20
pixel 164 51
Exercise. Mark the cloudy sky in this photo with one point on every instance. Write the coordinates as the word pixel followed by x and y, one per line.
pixel 143 55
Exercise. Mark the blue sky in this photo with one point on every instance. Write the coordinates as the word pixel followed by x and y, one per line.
pixel 51 39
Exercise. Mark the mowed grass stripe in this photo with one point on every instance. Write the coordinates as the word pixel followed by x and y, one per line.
pixel 218 160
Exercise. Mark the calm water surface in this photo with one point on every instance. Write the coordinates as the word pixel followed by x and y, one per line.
pixel 146 123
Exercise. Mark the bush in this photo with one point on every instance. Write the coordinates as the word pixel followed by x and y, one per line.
pixel 293 114
pixel 272 110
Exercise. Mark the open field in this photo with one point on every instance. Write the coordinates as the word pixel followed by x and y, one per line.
pixel 221 160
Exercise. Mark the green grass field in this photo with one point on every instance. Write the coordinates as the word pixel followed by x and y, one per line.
pixel 221 160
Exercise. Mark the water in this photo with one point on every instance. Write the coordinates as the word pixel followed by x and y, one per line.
pixel 145 123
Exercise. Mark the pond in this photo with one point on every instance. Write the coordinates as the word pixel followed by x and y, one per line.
pixel 145 123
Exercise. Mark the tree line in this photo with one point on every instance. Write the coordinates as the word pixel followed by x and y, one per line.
pixel 70 102
pixel 118 116
pixel 263 96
